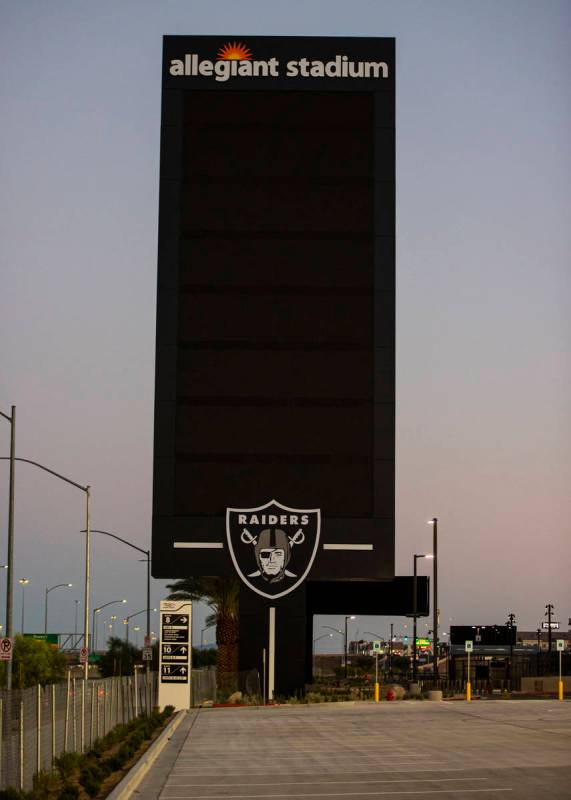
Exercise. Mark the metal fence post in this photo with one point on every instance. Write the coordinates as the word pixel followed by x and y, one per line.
pixel 1 739
pixel 53 723
pixel 83 716
pixel 74 711
pixel 92 727
pixel 21 744
pixel 38 728
pixel 136 697
pixel 104 708
pixel 66 723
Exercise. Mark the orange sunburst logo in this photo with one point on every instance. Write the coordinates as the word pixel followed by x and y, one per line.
pixel 235 51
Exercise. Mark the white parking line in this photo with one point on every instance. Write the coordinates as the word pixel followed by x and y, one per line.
pixel 340 794
pixel 337 783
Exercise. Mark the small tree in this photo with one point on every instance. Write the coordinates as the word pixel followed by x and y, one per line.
pixel 34 662
pixel 120 658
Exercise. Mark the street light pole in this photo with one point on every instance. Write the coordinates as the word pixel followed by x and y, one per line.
pixel 347 618
pixel 97 609
pixel 147 554
pixel 434 523
pixel 59 586
pixel 87 490
pixel 549 614
pixel 10 582
pixel 23 582
pixel 127 620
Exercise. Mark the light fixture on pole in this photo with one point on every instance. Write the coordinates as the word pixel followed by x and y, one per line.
pixel 351 616
pixel 23 583
pixel 10 582
pixel 202 636
pixel 147 554
pixel 48 590
pixel 415 609
pixel 97 610
pixel 128 619
pixel 87 490
pixel 435 611
pixel 323 636
pixel 77 603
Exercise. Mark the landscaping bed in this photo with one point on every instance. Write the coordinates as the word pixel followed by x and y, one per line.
pixel 92 775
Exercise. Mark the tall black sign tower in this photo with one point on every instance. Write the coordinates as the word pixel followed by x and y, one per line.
pixel 275 404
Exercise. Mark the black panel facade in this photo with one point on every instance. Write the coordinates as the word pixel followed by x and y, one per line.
pixel 276 304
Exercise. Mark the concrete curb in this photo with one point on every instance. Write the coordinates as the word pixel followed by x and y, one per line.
pixel 132 779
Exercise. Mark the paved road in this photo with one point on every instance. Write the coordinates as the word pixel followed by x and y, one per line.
pixel 512 749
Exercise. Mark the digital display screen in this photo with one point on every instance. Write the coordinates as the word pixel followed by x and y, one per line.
pixel 276 302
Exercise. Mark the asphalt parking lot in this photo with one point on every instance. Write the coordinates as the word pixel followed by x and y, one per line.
pixel 517 749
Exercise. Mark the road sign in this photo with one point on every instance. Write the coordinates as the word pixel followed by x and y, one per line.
pixel 6 648
pixel 469 646
pixel 49 638
pixel 376 646
pixel 175 653
pixel 174 673
pixel 175 628
pixel 147 653
pixel 83 655
pixel 552 625
pixel 147 642
pixel 561 644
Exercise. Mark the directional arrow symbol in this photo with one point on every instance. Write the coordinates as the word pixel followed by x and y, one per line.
pixel 183 649
pixel 183 619
pixel 183 670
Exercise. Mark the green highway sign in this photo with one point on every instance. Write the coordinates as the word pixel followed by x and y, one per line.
pixel 48 638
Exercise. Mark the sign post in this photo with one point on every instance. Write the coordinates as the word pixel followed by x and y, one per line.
pixel 469 647
pixel 560 646
pixel 6 648
pixel 175 653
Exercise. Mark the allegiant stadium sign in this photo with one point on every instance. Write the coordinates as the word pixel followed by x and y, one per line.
pixel 234 60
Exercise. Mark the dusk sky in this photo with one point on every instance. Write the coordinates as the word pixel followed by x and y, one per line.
pixel 483 289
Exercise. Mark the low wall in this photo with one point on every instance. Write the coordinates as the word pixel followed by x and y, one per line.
pixel 546 684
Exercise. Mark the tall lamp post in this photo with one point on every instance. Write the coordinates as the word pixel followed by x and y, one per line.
pixel 415 608
pixel 347 618
pixel 23 583
pixel 97 610
pixel 77 603
pixel 10 582
pixel 51 588
pixel 87 490
pixel 147 554
pixel 435 612
pixel 323 636
pixel 128 619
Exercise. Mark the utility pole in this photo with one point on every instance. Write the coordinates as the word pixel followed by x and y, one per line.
pixel 10 582
pixel 391 651
pixel 538 648
pixel 549 614
pixel 510 624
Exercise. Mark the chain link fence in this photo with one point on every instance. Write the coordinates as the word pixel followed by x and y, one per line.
pixel 40 723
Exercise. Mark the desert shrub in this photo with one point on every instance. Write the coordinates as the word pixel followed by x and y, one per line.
pixel 68 792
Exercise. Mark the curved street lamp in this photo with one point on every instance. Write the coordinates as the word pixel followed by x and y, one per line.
pixel 51 588
pixel 23 583
pixel 147 554
pixel 126 621
pixel 10 588
pixel 97 610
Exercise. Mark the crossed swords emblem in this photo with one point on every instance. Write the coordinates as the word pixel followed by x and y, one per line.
pixel 297 538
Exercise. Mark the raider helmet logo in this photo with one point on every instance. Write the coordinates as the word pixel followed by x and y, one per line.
pixel 273 546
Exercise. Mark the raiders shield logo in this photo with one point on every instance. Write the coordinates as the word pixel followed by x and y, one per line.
pixel 273 546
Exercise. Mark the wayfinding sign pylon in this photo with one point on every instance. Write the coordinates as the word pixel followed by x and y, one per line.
pixel 175 651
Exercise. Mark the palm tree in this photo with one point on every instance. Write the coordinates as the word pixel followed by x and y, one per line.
pixel 221 595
